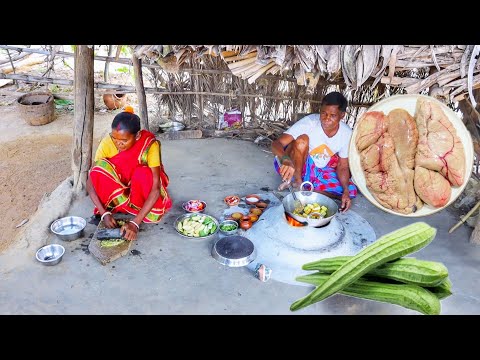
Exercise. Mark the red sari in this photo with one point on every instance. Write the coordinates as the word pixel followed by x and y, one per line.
pixel 123 182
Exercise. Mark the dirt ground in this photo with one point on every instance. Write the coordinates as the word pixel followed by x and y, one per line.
pixel 25 178
pixel 34 160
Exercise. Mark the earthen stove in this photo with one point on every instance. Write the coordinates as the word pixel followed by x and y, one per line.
pixel 284 245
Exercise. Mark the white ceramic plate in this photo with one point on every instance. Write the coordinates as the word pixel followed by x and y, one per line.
pixel 408 103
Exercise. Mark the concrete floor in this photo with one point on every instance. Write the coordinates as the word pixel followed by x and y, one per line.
pixel 173 275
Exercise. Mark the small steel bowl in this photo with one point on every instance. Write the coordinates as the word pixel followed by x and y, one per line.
pixel 69 228
pixel 191 206
pixel 229 222
pixel 50 254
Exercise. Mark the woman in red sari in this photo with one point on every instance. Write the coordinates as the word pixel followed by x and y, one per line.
pixel 128 176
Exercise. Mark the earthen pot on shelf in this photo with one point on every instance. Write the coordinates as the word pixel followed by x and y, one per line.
pixel 115 101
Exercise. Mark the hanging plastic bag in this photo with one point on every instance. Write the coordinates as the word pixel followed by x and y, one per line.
pixel 233 118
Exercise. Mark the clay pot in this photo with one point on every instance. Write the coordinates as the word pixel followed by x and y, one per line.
pixel 115 101
pixel 245 224
pixel 256 211
pixel 237 216
pixel 261 205
pixel 252 199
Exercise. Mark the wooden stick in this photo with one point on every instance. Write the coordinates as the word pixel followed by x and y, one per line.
pixel 125 61
pixel 242 57
pixel 252 79
pixel 241 63
pixel 228 53
pixel 452 229
pixel 107 63
pixel 14 58
pixel 249 70
pixel 123 89
pixel 119 50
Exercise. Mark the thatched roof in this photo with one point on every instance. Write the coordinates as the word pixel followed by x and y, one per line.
pixel 412 67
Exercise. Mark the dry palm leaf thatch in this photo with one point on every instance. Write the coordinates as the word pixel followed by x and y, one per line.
pixel 277 82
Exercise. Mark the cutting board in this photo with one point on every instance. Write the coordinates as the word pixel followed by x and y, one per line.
pixel 109 254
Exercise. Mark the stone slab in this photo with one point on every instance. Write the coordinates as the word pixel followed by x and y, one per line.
pixel 109 254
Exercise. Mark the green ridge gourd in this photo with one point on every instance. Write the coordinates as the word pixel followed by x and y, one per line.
pixel 389 247
pixel 409 296
pixel 406 270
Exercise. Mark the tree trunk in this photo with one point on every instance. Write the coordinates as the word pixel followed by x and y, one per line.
pixel 83 116
pixel 142 98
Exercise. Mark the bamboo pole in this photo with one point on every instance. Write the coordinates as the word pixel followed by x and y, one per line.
pixel 123 89
pixel 140 90
pixel 15 58
pixel 242 57
pixel 83 116
pixel 107 64
pixel 125 61
pixel 199 98
pixel 241 63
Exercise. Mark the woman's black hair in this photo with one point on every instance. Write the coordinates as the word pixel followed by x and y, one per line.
pixel 126 121
pixel 335 98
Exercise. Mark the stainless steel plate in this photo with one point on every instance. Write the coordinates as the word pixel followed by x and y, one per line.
pixel 234 251
pixel 189 215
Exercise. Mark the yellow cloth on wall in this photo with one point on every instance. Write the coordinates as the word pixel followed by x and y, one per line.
pixel 107 149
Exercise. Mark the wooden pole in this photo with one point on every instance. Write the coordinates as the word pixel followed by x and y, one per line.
pixel 141 97
pixel 199 98
pixel 107 63
pixel 83 116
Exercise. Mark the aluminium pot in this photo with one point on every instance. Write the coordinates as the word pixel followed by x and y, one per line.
pixel 309 197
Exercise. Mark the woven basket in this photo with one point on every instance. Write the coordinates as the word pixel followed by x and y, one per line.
pixel 37 108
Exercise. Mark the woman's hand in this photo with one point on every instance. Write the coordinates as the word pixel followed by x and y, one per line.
pixel 109 221
pixel 129 231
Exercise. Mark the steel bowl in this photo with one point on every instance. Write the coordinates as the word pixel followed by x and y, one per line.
pixel 229 222
pixel 50 254
pixel 69 228
pixel 191 206
pixel 189 215
pixel 308 197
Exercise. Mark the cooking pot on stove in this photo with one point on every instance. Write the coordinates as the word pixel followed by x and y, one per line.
pixel 309 197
